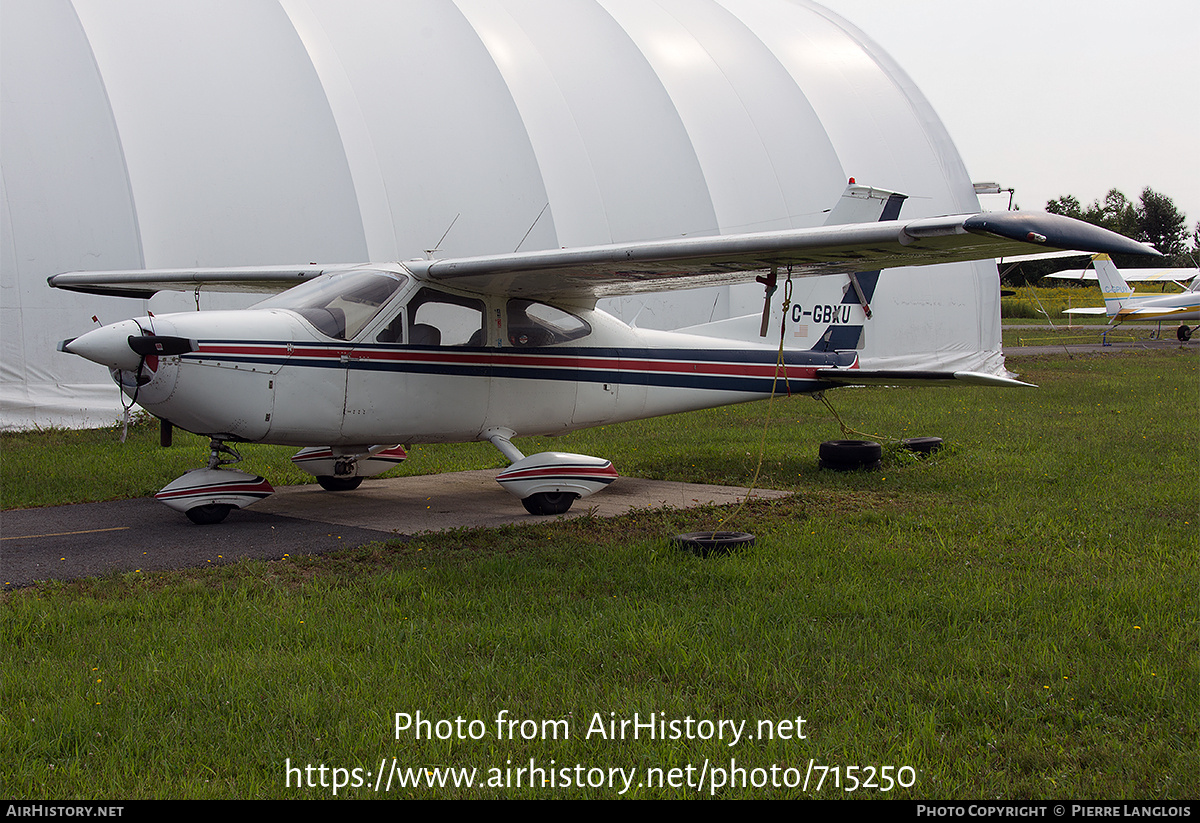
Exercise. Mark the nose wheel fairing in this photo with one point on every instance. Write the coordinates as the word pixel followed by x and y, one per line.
pixel 207 495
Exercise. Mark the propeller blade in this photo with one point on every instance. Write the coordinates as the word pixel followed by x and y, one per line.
pixel 161 345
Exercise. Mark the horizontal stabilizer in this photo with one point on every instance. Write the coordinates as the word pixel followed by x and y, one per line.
pixel 915 377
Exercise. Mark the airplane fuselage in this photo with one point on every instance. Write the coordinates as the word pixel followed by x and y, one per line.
pixel 1173 307
pixel 432 365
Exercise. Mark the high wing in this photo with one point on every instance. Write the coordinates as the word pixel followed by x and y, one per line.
pixel 629 268
pixel 620 269
pixel 145 283
pixel 1131 275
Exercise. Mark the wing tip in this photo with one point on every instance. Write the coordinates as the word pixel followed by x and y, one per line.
pixel 1056 231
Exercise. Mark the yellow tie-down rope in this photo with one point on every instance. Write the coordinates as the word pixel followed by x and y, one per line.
pixel 846 430
pixel 780 365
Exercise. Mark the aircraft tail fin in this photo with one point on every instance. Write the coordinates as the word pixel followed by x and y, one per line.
pixel 1112 285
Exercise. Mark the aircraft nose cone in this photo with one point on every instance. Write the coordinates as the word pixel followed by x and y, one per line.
pixel 108 346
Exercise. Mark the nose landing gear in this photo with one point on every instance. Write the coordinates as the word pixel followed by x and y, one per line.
pixel 207 495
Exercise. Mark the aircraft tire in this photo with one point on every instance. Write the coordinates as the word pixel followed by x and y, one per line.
pixel 339 484
pixel 208 515
pixel 706 543
pixel 545 503
pixel 923 445
pixel 850 455
pixel 1183 334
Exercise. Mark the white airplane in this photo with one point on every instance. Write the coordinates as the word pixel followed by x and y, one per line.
pixel 356 359
pixel 1122 304
pixel 1178 276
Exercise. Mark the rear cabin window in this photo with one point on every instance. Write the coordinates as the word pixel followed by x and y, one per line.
pixel 537 324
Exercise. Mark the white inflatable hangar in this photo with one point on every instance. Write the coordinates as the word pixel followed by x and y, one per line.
pixel 142 133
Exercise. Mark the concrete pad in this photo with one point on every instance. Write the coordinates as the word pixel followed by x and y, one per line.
pixel 473 499
pixel 86 539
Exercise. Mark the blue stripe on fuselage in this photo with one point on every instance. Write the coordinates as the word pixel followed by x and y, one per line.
pixel 672 360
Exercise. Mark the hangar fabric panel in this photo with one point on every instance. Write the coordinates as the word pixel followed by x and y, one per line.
pixel 137 133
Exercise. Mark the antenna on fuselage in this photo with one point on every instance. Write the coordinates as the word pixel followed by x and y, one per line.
pixel 532 225
pixel 430 252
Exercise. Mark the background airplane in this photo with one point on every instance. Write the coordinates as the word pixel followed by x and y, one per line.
pixel 1121 304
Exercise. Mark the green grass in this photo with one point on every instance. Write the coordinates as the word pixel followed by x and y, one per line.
pixel 1081 334
pixel 1015 617
pixel 56 466
pixel 1035 302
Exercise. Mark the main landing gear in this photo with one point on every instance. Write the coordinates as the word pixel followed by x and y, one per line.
pixel 544 503
pixel 549 483
pixel 208 495
pixel 339 484
pixel 343 469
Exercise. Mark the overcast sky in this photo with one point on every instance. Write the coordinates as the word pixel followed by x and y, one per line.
pixel 1055 97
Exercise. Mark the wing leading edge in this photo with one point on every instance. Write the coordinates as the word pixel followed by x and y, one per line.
pixel 630 268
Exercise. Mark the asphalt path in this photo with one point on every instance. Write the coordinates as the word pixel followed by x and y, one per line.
pixel 93 539
pixel 1115 347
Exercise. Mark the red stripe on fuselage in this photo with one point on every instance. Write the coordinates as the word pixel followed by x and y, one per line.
pixel 503 358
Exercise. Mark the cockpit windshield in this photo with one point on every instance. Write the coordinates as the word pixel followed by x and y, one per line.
pixel 339 305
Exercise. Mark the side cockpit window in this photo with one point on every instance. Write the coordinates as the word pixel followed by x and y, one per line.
pixel 538 324
pixel 339 305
